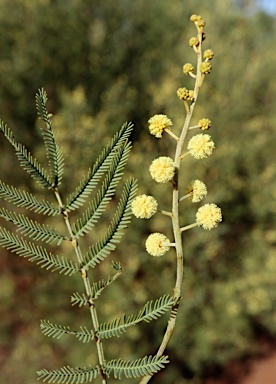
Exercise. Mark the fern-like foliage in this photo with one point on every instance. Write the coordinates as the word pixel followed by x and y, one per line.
pixel 151 311
pixel 31 228
pixel 53 151
pixel 104 176
pixel 121 219
pixel 36 253
pixel 80 299
pixel 105 193
pixel 102 164
pixel 27 200
pixel 57 331
pixel 29 163
pixel 98 288
pixel 69 375
pixel 148 365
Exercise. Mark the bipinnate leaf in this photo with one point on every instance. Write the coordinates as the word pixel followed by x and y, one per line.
pixel 69 375
pixel 36 253
pixel 96 288
pixel 53 151
pixel 151 311
pixel 57 331
pixel 31 228
pixel 80 299
pixel 147 365
pixel 27 200
pixel 98 205
pixel 29 163
pixel 120 221
pixel 102 165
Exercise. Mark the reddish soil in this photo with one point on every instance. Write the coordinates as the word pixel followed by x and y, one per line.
pixel 262 371
pixel 259 369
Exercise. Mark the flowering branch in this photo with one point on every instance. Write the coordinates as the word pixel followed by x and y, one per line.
pixel 165 169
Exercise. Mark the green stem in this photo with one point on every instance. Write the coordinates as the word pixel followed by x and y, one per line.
pixel 175 213
pixel 87 286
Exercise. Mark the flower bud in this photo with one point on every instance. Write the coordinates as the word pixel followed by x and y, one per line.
pixel 205 68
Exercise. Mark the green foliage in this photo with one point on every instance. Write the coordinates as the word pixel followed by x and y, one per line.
pixel 109 156
pixel 121 219
pixel 57 331
pixel 104 176
pixel 31 228
pixel 27 161
pixel 98 205
pixel 141 367
pixel 69 375
pixel 119 368
pixel 151 311
pixel 36 253
pixel 53 151
pixel 27 200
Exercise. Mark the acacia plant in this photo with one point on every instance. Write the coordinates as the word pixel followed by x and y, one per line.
pixel 99 187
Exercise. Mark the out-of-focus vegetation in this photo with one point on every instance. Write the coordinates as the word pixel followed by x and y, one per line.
pixel 103 63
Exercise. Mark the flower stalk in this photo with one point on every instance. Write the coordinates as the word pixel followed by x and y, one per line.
pixel 200 146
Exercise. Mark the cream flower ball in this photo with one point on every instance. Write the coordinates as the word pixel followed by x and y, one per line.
pixel 162 169
pixel 144 206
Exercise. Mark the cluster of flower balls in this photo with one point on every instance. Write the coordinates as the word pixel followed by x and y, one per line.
pixel 200 146
pixel 162 170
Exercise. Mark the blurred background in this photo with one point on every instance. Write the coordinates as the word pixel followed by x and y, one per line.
pixel 106 62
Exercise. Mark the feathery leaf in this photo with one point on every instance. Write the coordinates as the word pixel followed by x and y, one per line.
pixel 36 253
pixel 151 311
pixel 121 219
pixel 53 151
pixel 104 195
pixel 147 365
pixel 57 331
pixel 27 200
pixel 80 299
pixel 31 228
pixel 29 163
pixel 96 288
pixel 101 166
pixel 69 375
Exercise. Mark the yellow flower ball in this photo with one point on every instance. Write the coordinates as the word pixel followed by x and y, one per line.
pixel 208 216
pixel 157 244
pixel 162 169
pixel 158 123
pixel 201 146
pixel 144 207
pixel 199 191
